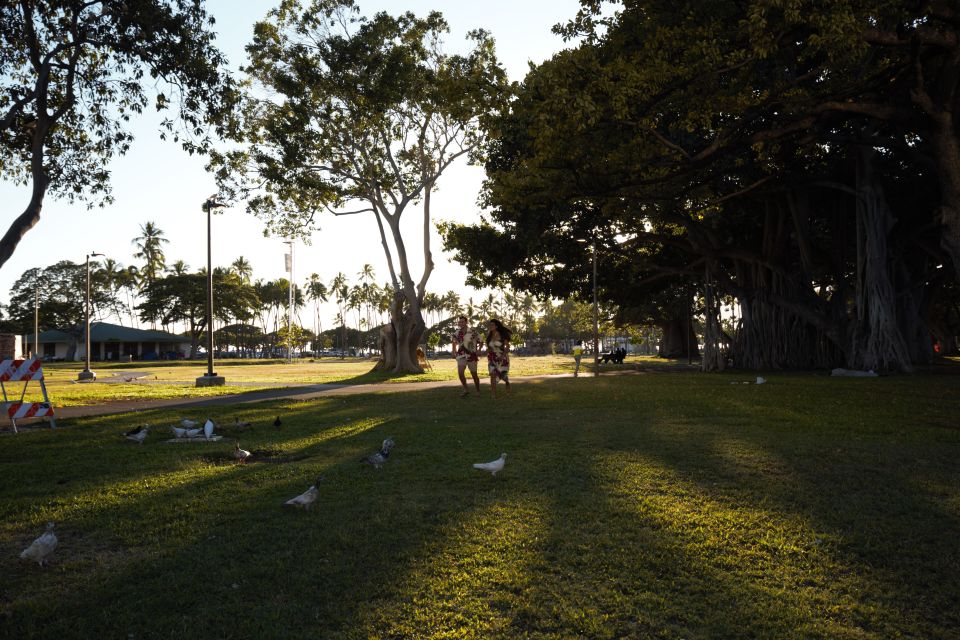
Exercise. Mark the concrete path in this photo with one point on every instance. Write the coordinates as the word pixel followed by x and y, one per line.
pixel 306 392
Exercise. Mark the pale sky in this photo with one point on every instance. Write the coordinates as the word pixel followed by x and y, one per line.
pixel 159 182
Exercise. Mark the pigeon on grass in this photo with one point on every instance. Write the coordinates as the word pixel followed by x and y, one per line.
pixel 493 466
pixel 188 424
pixel 277 422
pixel 241 454
pixel 139 434
pixel 307 498
pixel 41 548
pixel 377 459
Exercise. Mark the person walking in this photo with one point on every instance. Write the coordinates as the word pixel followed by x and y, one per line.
pixel 466 349
pixel 498 354
pixel 577 355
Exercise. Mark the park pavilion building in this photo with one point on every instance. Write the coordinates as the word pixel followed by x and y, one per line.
pixel 110 342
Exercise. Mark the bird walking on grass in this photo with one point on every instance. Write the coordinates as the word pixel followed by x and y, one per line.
pixel 240 425
pixel 377 459
pixel 139 434
pixel 277 422
pixel 188 424
pixel 307 498
pixel 208 428
pixel 178 432
pixel 241 454
pixel 494 466
pixel 41 548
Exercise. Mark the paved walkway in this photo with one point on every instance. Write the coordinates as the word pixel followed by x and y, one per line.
pixel 306 392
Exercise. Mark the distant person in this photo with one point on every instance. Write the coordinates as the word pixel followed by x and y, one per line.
pixel 466 349
pixel 422 360
pixel 577 355
pixel 498 354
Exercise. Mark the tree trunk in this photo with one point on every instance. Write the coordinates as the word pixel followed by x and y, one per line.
pixel 400 337
pixel 947 149
pixel 678 337
pixel 877 343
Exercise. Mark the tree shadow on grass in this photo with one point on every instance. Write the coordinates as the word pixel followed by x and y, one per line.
pixel 601 526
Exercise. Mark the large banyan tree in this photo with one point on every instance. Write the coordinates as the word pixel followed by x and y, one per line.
pixel 795 157
pixel 357 116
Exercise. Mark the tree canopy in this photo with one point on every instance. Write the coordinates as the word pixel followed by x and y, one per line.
pixel 74 72
pixel 356 115
pixel 786 154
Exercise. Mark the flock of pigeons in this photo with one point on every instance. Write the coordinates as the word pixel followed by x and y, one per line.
pixel 41 548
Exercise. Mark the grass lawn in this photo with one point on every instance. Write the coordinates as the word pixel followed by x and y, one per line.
pixel 649 506
pixel 176 379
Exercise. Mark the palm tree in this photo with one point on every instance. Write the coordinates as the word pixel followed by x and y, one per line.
pixel 130 282
pixel 241 267
pixel 317 291
pixel 451 302
pixel 112 274
pixel 367 278
pixel 178 268
pixel 150 248
pixel 342 291
pixel 354 303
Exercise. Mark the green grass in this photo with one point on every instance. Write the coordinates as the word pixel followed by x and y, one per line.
pixel 659 505
pixel 176 379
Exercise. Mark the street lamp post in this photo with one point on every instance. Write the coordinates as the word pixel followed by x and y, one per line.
pixel 36 321
pixel 596 317
pixel 87 374
pixel 291 294
pixel 210 378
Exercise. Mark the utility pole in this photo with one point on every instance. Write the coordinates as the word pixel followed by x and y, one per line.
pixel 291 297
pixel 36 322
pixel 210 378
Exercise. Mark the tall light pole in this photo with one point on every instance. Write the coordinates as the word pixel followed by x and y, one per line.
pixel 87 374
pixel 210 378
pixel 36 321
pixel 291 297
pixel 596 317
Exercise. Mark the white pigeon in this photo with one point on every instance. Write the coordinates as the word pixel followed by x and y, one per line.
pixel 761 380
pixel 193 433
pixel 240 425
pixel 208 428
pixel 138 435
pixel 178 432
pixel 306 498
pixel 41 548
pixel 188 424
pixel 493 466
pixel 241 454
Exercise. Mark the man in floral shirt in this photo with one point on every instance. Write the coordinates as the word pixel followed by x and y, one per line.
pixel 466 349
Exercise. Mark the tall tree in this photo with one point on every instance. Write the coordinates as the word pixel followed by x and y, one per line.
pixel 341 290
pixel 318 293
pixel 149 245
pixel 364 116
pixel 73 73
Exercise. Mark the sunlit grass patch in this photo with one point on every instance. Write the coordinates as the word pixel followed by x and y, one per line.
pixel 661 505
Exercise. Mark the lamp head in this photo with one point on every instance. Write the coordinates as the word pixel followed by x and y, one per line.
pixel 213 203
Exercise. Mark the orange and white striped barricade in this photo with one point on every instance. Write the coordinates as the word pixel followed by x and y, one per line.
pixel 25 371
